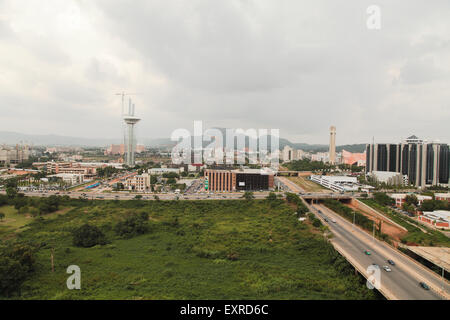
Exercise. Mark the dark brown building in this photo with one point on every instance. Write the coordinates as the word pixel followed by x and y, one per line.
pixel 237 180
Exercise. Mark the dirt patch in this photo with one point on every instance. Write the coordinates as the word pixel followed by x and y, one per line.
pixel 386 227
pixel 305 185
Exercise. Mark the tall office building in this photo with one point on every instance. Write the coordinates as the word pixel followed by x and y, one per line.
pixel 425 164
pixel 333 145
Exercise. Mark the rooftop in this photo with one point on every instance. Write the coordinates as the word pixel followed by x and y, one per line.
pixel 438 215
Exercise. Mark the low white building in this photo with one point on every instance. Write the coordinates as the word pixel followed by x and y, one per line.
pixel 400 198
pixel 160 171
pixel 390 178
pixel 439 219
pixel 70 178
pixel 192 168
pixel 140 183
pixel 337 183
pixel 442 196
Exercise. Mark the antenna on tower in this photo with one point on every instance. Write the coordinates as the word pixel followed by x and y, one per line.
pixel 123 94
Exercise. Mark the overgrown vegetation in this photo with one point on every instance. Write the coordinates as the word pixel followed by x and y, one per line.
pixel 132 226
pixel 294 199
pixel 16 265
pixel 230 249
pixel 308 165
pixel 88 236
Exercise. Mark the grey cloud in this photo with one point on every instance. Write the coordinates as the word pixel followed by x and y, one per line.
pixel 422 71
pixel 298 66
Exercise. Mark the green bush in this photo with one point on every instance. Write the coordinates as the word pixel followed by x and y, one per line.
pixel 49 205
pixel 88 236
pixel 132 226
pixel 383 199
pixel 16 263
pixel 348 213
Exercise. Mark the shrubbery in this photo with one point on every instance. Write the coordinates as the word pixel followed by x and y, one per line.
pixel 302 209
pixel 29 205
pixel 132 226
pixel 315 221
pixel 307 165
pixel 88 236
pixel 49 205
pixel 348 213
pixel 383 199
pixel 171 175
pixel 16 263
pixel 432 205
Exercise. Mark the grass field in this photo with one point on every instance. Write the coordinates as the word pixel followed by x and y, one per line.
pixel 307 185
pixel 13 221
pixel 194 250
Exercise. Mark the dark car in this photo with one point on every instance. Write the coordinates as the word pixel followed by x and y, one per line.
pixel 392 263
pixel 424 285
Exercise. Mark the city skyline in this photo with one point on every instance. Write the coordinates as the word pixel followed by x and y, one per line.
pixel 225 158
pixel 62 63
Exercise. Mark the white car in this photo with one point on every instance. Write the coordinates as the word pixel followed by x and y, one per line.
pixel 387 269
pixel 332 220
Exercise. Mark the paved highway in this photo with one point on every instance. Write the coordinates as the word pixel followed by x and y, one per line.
pixel 403 281
pixel 130 196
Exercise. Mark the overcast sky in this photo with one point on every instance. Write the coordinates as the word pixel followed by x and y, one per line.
pixel 298 66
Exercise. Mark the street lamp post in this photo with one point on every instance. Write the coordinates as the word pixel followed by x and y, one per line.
pixel 373 232
pixel 354 220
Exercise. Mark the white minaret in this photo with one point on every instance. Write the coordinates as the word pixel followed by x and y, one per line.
pixel 333 145
pixel 130 120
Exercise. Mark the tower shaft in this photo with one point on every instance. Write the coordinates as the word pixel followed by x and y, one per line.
pixel 332 145
pixel 130 145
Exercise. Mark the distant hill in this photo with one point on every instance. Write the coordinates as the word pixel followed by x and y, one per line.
pixel 12 138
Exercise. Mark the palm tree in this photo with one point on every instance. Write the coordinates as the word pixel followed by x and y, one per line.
pixel 248 195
